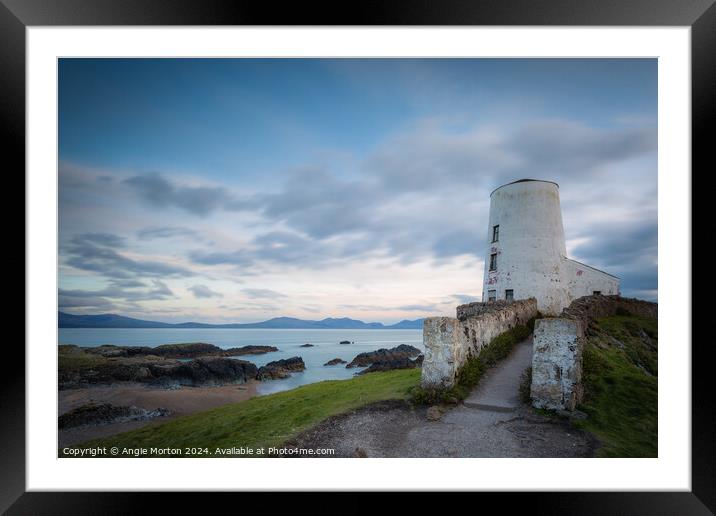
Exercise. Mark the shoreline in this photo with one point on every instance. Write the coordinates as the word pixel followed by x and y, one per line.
pixel 181 402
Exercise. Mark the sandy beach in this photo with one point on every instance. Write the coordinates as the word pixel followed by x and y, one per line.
pixel 180 402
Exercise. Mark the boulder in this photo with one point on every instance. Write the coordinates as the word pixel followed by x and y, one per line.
pixel 384 355
pixel 434 413
pixel 335 361
pixel 306 345
pixel 280 368
pixel 388 365
pixel 106 413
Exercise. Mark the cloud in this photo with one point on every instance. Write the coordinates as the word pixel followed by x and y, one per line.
pixel 94 252
pixel 419 308
pixel 118 295
pixel 103 239
pixel 262 293
pixel 151 233
pixel 202 291
pixel 464 299
pixel 628 250
pixel 159 191
pixel 424 194
pixel 421 195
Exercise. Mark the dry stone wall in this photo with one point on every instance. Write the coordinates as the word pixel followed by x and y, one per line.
pixel 449 341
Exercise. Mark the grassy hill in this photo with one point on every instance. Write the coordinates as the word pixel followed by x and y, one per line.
pixel 620 386
pixel 268 420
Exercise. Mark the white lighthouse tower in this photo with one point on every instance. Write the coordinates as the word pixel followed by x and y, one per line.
pixel 526 253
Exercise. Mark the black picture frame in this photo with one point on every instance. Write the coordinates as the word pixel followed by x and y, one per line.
pixel 17 15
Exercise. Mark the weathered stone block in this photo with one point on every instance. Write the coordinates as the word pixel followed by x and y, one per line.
pixel 557 363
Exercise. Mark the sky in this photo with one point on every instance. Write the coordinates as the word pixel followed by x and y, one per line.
pixel 236 190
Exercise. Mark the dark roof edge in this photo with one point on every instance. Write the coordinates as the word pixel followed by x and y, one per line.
pixel 524 181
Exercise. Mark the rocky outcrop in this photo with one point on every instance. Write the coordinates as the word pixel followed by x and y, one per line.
pixel 187 350
pixel 78 368
pixel 249 350
pixel 203 371
pixel 106 413
pixel 335 361
pixel 383 355
pixel 306 345
pixel 280 368
pixel 345 342
pixel 388 365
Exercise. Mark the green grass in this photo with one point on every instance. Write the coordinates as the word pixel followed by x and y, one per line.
pixel 270 420
pixel 620 386
pixel 475 367
pixel 73 359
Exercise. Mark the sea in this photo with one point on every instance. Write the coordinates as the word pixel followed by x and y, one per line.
pixel 326 346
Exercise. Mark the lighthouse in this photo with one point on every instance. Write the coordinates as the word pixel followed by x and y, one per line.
pixel 526 255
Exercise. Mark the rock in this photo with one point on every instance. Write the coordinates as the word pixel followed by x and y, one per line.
pixel 280 368
pixel 388 365
pixel 360 453
pixel 434 413
pixel 419 360
pixel 187 350
pixel 345 342
pixel 250 350
pixel 335 361
pixel 306 345
pixel 108 366
pixel 106 413
pixel 206 371
pixel 190 350
pixel 384 355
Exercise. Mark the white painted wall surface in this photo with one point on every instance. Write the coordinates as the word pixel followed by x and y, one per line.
pixel 584 280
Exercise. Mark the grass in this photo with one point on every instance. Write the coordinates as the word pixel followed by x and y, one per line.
pixel 267 421
pixel 526 385
pixel 475 367
pixel 620 386
pixel 72 359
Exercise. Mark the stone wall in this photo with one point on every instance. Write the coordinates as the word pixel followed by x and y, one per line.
pixel 588 308
pixel 558 344
pixel 557 363
pixel 449 342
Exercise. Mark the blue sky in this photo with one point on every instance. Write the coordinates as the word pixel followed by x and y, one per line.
pixel 238 190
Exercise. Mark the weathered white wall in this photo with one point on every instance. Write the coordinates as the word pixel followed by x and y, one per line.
pixel 449 342
pixel 557 364
pixel 583 280
pixel 531 251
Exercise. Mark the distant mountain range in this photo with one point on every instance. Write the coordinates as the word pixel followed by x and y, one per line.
pixel 118 321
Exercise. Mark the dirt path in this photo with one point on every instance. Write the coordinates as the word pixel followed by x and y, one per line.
pixel 180 402
pixel 491 422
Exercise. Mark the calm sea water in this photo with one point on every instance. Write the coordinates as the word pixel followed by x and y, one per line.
pixel 325 346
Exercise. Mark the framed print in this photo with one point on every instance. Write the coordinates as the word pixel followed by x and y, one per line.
pixel 420 249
